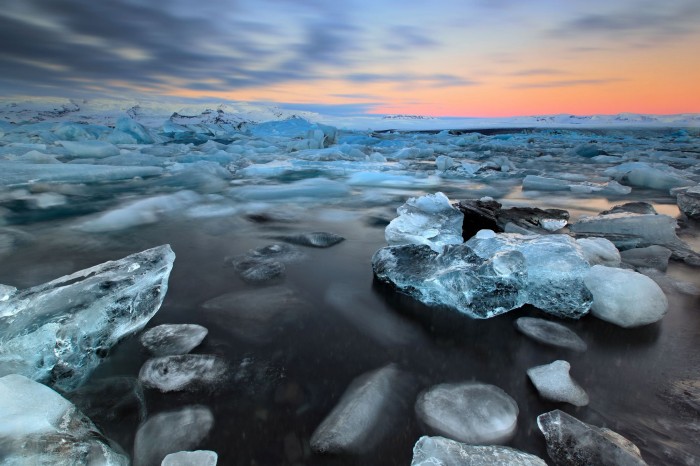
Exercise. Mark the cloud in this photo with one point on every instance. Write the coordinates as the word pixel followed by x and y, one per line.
pixel 155 47
pixel 566 83
pixel 432 80
pixel 539 72
pixel 650 21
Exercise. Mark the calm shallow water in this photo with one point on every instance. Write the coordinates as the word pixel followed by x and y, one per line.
pixel 281 389
pixel 293 381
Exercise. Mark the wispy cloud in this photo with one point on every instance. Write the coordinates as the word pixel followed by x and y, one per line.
pixel 565 83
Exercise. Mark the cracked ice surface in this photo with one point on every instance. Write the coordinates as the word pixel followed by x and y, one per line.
pixel 58 332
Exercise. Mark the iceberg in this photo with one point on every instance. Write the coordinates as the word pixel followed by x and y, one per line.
pixel 554 269
pixel 429 220
pixel 39 426
pixel 440 451
pixel 173 339
pixel 89 149
pixel 554 383
pixel 59 332
pixel 364 414
pixel 571 442
pixel 624 297
pixel 550 333
pixel 171 432
pixel 457 278
pixel 472 413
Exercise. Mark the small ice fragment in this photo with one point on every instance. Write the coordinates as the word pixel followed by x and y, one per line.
pixel 624 297
pixel 170 432
pixel 172 339
pixel 191 458
pixel 440 451
pixel 182 372
pixel 550 333
pixel 554 383
pixel 473 413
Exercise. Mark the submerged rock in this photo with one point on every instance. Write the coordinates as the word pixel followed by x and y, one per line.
pixel 430 220
pixel 439 451
pixel 257 315
pixel 365 414
pixel 171 432
pixel 39 426
pixel 191 458
pixel 554 383
pixel 182 372
pixel 58 332
pixel 571 442
pixel 316 239
pixel 473 413
pixel 624 297
pixel 172 339
pixel 550 333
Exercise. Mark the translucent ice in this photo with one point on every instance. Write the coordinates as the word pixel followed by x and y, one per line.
pixel 135 130
pixel 191 458
pixel 429 220
pixel 624 297
pixel 39 426
pixel 599 251
pixel 182 372
pixel 473 413
pixel 172 339
pixel 457 278
pixel 171 432
pixel 554 383
pixel 60 331
pixel 439 451
pixel 364 414
pixel 555 269
pixel 141 212
pixel 550 333
pixel 92 149
pixel 571 442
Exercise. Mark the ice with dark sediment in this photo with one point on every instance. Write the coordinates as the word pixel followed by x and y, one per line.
pixel 554 266
pixel 60 331
pixel 183 372
pixel 170 432
pixel 367 412
pixel 429 220
pixel 688 200
pixel 488 214
pixel 172 339
pixel 191 458
pixel 39 426
pixel 469 412
pixel 440 451
pixel 571 442
pixel 550 333
pixel 655 257
pixel 624 297
pixel 257 315
pixel 554 383
pixel 631 230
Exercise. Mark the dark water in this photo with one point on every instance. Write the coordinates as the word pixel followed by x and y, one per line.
pixel 280 390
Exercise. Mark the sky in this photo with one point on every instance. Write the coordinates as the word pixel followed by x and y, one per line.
pixel 479 58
